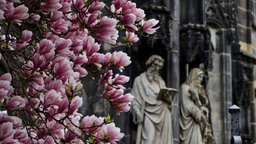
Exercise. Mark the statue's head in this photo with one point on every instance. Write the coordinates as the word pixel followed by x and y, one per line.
pixel 195 77
pixel 156 62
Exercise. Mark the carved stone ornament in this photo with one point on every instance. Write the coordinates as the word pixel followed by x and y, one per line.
pixel 196 45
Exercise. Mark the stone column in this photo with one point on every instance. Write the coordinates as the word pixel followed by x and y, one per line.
pixel 225 82
pixel 173 69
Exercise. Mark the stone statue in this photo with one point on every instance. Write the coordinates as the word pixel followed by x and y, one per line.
pixel 194 115
pixel 152 110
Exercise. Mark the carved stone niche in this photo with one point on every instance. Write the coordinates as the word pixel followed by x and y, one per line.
pixel 196 45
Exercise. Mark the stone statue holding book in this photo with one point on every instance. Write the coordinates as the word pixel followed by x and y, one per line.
pixel 151 107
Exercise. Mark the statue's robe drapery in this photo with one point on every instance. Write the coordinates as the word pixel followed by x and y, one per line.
pixel 190 119
pixel 157 123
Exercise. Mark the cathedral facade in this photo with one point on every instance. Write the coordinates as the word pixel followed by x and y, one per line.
pixel 218 34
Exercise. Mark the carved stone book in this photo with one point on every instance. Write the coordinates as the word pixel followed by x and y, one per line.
pixel 166 94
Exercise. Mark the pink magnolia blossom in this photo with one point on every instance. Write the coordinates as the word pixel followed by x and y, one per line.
pixel 15 102
pixel 131 37
pixel 73 86
pixel 129 20
pixel 52 110
pixel 60 26
pixel 38 84
pixel 77 46
pixel 51 97
pixel 51 5
pixel 56 85
pixel 65 6
pixel 110 133
pixel 118 3
pixel 122 107
pixel 76 103
pixel 120 59
pixel 34 101
pixel 9 140
pixel 16 122
pixel 69 137
pixel 46 47
pixel 6 130
pixel 71 134
pixel 26 36
pixel 52 37
pixel 106 30
pixel 82 71
pixel 92 19
pixel 63 46
pixel 8 10
pixel 90 46
pixel 3 94
pixel 35 88
pixel 81 59
pixel 113 94
pixel 97 58
pixel 120 79
pixel 56 15
pixel 38 61
pixel 74 123
pixel 16 14
pixel 79 4
pixel 106 77
pixel 63 105
pixel 96 7
pixel 62 67
pixel 35 17
pixel 6 77
pixel 20 13
pixel 5 86
pixel 22 136
pixel 49 140
pixel 118 99
pixel 124 99
pixel 148 26
pixel 106 61
pixel 128 7
pixel 140 14
pixel 56 129
pixel 92 123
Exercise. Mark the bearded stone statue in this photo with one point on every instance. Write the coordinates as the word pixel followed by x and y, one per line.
pixel 152 110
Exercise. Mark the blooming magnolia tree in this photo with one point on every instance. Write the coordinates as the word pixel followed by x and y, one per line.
pixel 46 47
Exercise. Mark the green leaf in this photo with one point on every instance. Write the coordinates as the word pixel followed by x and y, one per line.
pixel 37 122
pixel 69 86
pixel 92 140
pixel 108 119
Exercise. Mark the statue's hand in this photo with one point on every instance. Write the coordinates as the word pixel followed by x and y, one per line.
pixel 139 117
pixel 204 119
